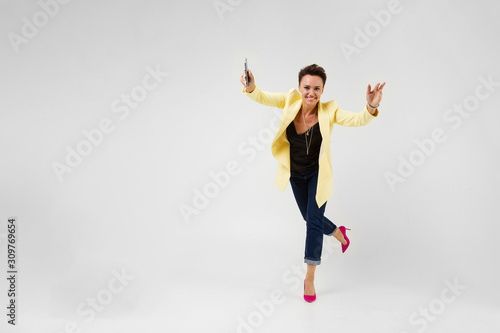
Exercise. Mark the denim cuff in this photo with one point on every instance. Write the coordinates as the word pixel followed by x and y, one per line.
pixel 333 231
pixel 312 262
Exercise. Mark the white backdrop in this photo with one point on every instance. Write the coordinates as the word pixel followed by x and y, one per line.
pixel 142 179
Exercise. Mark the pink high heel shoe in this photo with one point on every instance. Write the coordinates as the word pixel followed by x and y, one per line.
pixel 343 231
pixel 308 298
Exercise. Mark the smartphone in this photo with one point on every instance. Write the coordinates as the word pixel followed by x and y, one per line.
pixel 246 73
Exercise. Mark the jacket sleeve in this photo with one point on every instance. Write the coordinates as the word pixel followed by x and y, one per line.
pixel 353 119
pixel 267 98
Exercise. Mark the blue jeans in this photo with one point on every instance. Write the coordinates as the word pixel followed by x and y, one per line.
pixel 304 189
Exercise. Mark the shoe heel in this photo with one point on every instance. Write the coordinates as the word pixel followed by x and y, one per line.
pixel 344 233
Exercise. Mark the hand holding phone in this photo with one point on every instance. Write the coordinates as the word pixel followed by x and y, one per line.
pixel 247 79
pixel 246 73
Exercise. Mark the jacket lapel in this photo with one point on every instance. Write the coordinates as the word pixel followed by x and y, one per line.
pixel 290 116
pixel 279 144
pixel 324 126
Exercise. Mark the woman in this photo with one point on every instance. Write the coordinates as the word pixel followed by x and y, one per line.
pixel 302 148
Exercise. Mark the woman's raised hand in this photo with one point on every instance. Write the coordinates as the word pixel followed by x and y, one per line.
pixel 373 97
pixel 251 81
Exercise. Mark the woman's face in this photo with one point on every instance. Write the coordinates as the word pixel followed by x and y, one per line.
pixel 311 89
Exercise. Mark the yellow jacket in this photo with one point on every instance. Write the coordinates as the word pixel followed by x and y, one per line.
pixel 329 113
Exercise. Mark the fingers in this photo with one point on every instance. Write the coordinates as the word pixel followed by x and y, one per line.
pixel 251 81
pixel 243 78
pixel 374 96
pixel 376 89
pixel 377 86
pixel 380 86
pixel 379 90
pixel 250 77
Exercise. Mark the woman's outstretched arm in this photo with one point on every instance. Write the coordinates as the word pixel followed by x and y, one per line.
pixel 353 119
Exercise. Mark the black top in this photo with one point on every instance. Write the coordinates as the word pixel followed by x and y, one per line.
pixel 300 161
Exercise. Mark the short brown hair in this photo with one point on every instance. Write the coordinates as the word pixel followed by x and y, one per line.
pixel 313 70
